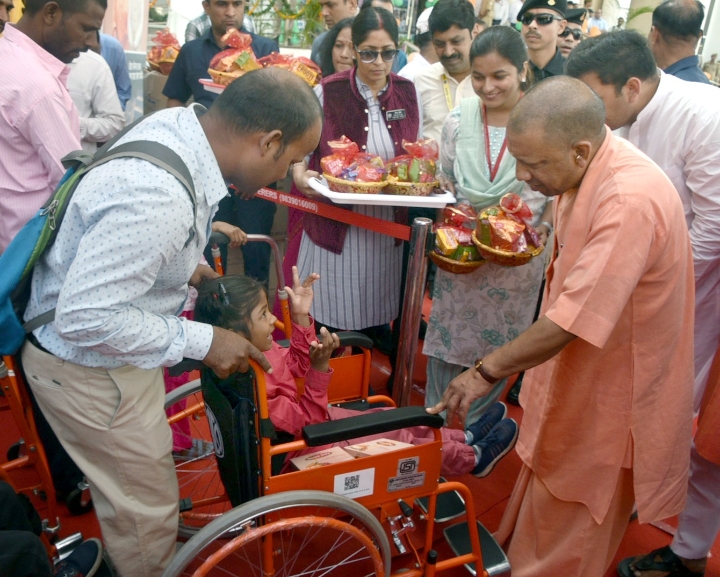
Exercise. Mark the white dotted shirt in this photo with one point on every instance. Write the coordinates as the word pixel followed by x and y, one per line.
pixel 118 271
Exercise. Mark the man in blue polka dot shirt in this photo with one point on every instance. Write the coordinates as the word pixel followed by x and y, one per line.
pixel 118 277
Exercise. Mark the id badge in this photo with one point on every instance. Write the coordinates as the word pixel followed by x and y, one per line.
pixel 398 114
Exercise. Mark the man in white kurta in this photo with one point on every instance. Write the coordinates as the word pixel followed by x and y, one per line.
pixel 442 85
pixel 92 89
pixel 677 124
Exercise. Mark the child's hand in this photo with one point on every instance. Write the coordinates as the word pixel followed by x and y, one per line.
pixel 320 352
pixel 301 296
pixel 237 236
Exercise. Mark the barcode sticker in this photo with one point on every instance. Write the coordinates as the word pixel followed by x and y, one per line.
pixel 355 484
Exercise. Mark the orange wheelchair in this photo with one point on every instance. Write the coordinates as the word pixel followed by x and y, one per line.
pixel 374 515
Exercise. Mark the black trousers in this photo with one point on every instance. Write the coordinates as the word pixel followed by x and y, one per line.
pixel 22 554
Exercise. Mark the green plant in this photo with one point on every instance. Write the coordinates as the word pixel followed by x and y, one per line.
pixel 635 12
pixel 314 24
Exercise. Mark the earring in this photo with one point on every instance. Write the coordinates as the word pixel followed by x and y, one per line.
pixel 577 158
pixel 522 79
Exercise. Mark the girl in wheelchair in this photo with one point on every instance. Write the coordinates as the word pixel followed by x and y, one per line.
pixel 240 304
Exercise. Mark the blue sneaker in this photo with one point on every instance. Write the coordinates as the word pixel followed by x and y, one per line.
pixel 84 561
pixel 495 446
pixel 480 428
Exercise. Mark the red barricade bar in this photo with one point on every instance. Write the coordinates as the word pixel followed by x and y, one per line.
pixel 333 212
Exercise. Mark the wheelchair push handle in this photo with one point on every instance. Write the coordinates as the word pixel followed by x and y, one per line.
pixel 219 238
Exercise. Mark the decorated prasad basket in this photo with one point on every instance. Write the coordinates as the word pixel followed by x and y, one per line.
pixel 454 266
pixel 504 257
pixel 339 185
pixel 411 188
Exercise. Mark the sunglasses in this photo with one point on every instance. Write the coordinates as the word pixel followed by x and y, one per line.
pixel 576 34
pixel 542 19
pixel 369 56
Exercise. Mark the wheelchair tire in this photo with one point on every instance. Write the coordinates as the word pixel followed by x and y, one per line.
pixel 16 450
pixel 79 501
pixel 202 495
pixel 310 533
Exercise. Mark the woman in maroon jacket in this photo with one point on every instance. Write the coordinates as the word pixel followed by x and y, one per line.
pixel 359 286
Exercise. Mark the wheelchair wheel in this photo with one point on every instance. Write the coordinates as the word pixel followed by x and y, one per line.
pixel 298 533
pixel 202 495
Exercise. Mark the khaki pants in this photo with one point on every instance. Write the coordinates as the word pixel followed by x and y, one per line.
pixel 547 537
pixel 112 424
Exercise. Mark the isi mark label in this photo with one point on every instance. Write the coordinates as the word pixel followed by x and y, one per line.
pixel 408 476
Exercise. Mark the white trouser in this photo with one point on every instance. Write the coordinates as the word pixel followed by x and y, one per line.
pixel 112 424
pixel 699 523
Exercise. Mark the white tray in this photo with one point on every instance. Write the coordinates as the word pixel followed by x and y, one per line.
pixel 210 86
pixel 431 201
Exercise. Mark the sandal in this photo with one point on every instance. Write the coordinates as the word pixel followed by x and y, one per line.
pixel 199 450
pixel 662 559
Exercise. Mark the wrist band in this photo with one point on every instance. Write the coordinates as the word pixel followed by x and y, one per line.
pixel 484 374
pixel 548 225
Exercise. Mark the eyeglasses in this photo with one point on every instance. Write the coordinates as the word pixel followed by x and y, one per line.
pixel 369 56
pixel 576 34
pixel 542 19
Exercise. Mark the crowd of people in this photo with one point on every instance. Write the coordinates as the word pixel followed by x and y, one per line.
pixel 610 138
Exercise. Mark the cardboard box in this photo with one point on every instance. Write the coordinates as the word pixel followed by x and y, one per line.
pixel 321 458
pixel 376 447
pixel 153 84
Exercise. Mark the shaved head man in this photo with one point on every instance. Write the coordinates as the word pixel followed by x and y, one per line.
pixel 611 350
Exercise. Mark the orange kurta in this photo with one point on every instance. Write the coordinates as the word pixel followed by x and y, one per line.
pixel 620 395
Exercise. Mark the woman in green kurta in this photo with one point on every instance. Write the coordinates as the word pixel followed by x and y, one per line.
pixel 475 313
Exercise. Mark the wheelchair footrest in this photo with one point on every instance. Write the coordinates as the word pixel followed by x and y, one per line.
pixel 449 506
pixel 494 558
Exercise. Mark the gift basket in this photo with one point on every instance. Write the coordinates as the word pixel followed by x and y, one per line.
pixel 349 170
pixel 454 249
pixel 298 65
pixel 235 61
pixel 164 52
pixel 413 173
pixel 504 235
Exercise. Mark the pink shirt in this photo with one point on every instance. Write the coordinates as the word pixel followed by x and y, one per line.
pixel 38 127
pixel 620 395
pixel 290 411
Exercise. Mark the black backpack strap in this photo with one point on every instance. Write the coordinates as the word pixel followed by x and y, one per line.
pixel 153 152
pixel 161 156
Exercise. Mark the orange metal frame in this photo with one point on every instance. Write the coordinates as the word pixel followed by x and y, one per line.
pixel 19 405
pixel 385 467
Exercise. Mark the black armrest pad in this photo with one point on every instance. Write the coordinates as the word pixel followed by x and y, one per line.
pixel 369 424
pixel 347 339
pixel 353 339
pixel 185 366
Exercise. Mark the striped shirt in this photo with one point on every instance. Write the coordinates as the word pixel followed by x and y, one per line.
pixel 360 287
pixel 38 126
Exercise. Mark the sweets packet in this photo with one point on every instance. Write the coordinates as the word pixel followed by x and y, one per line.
pixel 456 243
pixel 164 52
pixel 418 165
pixel 463 215
pixel 508 226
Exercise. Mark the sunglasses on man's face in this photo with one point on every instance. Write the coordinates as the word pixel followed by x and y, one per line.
pixel 369 56
pixel 542 19
pixel 576 34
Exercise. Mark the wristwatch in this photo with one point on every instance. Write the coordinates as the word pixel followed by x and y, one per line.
pixel 484 374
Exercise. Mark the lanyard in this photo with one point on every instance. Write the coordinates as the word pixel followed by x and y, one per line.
pixel 493 169
pixel 446 89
